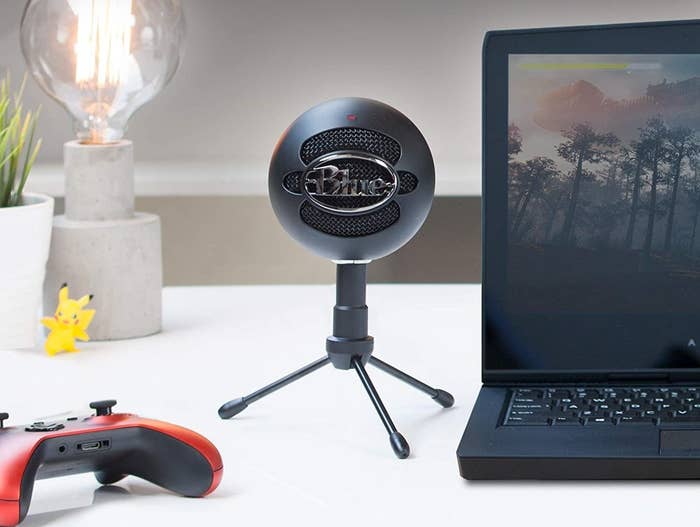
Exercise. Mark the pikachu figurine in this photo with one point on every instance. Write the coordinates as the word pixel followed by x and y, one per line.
pixel 70 322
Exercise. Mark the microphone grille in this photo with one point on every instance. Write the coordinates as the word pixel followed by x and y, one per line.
pixel 350 226
pixel 358 139
pixel 292 182
pixel 407 182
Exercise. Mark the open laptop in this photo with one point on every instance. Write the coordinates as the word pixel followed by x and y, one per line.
pixel 591 262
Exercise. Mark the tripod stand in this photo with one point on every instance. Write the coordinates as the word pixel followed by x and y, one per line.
pixel 350 347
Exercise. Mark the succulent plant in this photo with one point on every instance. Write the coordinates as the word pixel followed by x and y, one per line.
pixel 18 145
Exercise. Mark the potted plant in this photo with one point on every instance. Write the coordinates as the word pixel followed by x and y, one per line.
pixel 25 224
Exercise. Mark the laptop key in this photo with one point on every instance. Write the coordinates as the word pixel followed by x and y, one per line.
pixel 679 417
pixel 598 421
pixel 529 392
pixel 523 399
pixel 520 421
pixel 572 408
pixel 566 421
pixel 558 394
pixel 637 419
pixel 531 416
pixel 530 406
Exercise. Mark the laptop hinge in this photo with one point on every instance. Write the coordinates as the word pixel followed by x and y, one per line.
pixel 638 377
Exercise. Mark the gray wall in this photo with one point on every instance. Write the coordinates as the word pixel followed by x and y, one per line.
pixel 252 66
pixel 441 252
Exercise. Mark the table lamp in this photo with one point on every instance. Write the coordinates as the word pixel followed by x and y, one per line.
pixel 102 60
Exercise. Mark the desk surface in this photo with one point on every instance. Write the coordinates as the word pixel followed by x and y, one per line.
pixel 334 465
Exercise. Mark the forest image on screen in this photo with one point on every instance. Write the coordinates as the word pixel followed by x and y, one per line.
pixel 604 183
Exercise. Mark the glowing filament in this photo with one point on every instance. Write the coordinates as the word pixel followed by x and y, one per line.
pixel 103 41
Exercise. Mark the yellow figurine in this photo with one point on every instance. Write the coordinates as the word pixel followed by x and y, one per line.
pixel 70 322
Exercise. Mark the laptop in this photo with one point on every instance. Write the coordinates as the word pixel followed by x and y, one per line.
pixel 591 255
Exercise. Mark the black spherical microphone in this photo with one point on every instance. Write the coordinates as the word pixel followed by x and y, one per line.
pixel 352 180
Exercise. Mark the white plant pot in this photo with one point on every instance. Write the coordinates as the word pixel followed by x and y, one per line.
pixel 25 233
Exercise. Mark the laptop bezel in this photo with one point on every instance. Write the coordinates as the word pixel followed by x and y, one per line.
pixel 638 38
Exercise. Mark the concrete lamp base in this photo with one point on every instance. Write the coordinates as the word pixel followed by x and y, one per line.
pixel 101 247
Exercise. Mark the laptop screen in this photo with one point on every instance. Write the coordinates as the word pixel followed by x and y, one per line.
pixel 602 264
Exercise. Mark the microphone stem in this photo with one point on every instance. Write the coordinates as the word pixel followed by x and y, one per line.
pixel 351 284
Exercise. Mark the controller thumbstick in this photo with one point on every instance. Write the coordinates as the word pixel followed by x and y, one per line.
pixel 103 407
pixel 3 417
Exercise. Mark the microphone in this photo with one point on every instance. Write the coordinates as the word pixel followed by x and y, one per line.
pixel 352 180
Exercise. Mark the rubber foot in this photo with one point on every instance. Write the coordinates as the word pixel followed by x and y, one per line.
pixel 444 398
pixel 231 408
pixel 108 478
pixel 399 445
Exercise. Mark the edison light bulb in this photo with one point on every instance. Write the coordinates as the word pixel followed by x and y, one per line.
pixel 102 59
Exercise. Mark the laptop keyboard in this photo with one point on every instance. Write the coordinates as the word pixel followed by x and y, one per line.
pixel 603 406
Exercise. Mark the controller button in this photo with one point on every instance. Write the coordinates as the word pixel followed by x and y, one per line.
pixel 44 427
pixel 72 419
pixel 103 407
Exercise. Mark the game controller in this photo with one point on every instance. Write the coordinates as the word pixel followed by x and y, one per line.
pixel 110 445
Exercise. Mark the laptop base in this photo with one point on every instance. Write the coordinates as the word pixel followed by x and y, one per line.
pixel 579 469
pixel 490 451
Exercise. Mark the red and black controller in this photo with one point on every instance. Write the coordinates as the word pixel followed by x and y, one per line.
pixel 110 445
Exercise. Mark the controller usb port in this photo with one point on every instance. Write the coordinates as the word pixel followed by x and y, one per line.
pixel 90 446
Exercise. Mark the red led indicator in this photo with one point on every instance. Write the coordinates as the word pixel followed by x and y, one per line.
pixel 351 117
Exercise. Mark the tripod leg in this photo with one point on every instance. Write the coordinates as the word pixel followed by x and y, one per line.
pixel 441 397
pixel 398 442
pixel 236 406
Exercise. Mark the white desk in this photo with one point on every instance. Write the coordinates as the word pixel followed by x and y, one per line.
pixel 314 453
